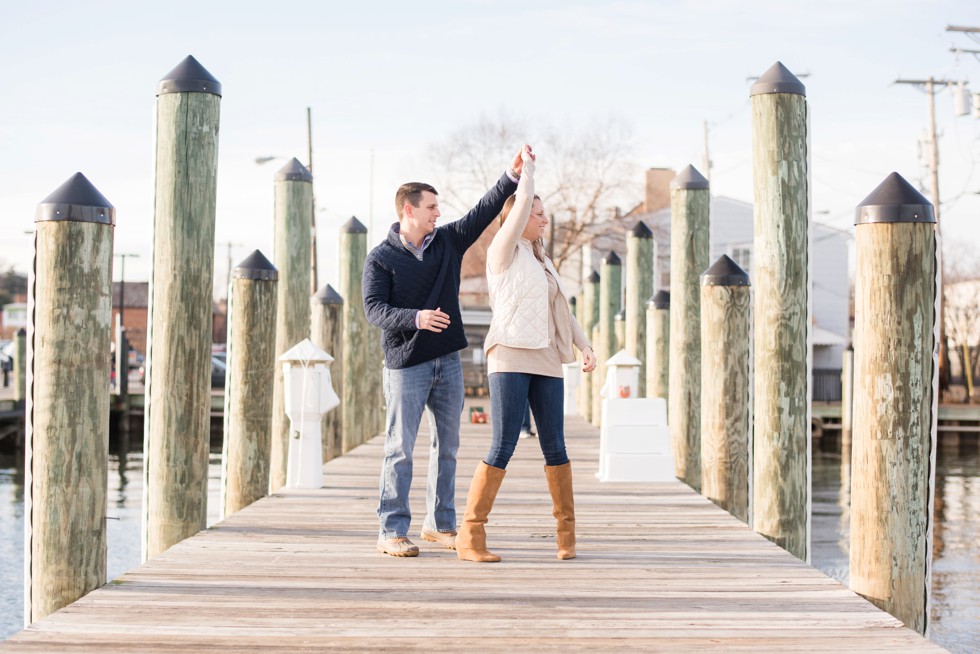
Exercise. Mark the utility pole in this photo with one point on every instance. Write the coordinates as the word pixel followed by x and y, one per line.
pixel 309 147
pixel 707 158
pixel 930 84
pixel 230 268
pixel 122 284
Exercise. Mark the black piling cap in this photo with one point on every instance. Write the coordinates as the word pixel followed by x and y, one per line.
pixel 724 272
pixel 572 301
pixel 689 179
pixel 661 300
pixel 327 295
pixel 895 201
pixel 77 201
pixel 612 259
pixel 640 230
pixel 593 278
pixel 189 76
pixel 256 266
pixel 294 171
pixel 353 226
pixel 778 79
pixel 22 332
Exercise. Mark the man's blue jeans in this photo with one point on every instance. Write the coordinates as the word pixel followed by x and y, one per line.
pixel 509 394
pixel 435 387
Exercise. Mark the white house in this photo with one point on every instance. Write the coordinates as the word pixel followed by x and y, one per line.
pixel 731 232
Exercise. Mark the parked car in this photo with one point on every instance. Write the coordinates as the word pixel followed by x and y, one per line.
pixel 218 372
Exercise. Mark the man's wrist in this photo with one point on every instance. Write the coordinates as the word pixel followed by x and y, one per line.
pixel 513 175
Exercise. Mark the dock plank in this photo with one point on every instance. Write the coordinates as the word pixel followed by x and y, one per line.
pixel 659 569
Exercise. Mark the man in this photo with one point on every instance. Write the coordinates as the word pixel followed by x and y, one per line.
pixel 411 291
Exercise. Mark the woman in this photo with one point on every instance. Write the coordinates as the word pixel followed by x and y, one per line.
pixel 531 335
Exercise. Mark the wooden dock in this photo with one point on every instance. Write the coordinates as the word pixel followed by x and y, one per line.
pixel 659 569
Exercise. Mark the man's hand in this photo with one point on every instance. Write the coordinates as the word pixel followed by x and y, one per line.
pixel 518 164
pixel 588 359
pixel 433 319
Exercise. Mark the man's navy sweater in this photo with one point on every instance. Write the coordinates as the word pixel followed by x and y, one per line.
pixel 396 284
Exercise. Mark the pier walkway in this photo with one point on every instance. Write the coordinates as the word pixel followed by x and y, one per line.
pixel 659 569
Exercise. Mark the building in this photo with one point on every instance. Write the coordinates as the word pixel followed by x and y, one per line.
pixel 731 226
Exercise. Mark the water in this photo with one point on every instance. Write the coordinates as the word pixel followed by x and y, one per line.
pixel 955 601
pixel 122 528
pixel 955 611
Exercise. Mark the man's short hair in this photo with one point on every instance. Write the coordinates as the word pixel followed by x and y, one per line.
pixel 411 193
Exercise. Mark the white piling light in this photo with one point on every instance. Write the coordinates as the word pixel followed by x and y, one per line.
pixel 309 396
pixel 634 441
pixel 622 376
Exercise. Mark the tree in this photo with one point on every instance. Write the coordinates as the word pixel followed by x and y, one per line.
pixel 583 174
pixel 962 303
pixel 12 284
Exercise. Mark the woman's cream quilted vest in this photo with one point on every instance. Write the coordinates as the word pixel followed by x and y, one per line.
pixel 519 301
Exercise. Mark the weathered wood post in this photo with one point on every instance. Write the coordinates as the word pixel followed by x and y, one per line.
pixel 67 406
pixel 781 470
pixel 895 400
pixel 690 202
pixel 328 335
pixel 589 319
pixel 619 329
pixel 294 205
pixel 639 288
pixel 610 302
pixel 658 345
pixel 251 373
pixel 597 383
pixel 177 416
pixel 20 365
pixel 725 431
pixel 359 387
pixel 847 398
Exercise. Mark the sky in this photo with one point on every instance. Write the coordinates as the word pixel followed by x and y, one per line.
pixel 384 81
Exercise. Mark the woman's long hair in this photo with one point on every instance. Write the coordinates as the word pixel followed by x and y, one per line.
pixel 537 246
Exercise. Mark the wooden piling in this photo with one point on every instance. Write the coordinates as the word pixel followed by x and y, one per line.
pixel 639 288
pixel 588 319
pixel 725 447
pixel 20 365
pixel 597 383
pixel 619 329
pixel 847 397
pixel 610 303
pixel 178 388
pixel 328 335
pixel 781 502
pixel 252 367
pixel 67 407
pixel 689 222
pixel 361 382
pixel 658 345
pixel 293 207
pixel 895 400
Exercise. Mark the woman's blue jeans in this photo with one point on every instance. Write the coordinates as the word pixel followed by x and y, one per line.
pixel 509 393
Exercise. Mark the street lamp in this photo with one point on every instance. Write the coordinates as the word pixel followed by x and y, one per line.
pixel 309 148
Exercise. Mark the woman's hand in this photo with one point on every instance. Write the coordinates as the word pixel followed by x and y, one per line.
pixel 518 164
pixel 588 359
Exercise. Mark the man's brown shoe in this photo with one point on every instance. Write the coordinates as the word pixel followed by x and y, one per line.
pixel 447 538
pixel 400 546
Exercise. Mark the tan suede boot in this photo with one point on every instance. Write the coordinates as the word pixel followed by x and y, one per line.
pixel 560 485
pixel 471 541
